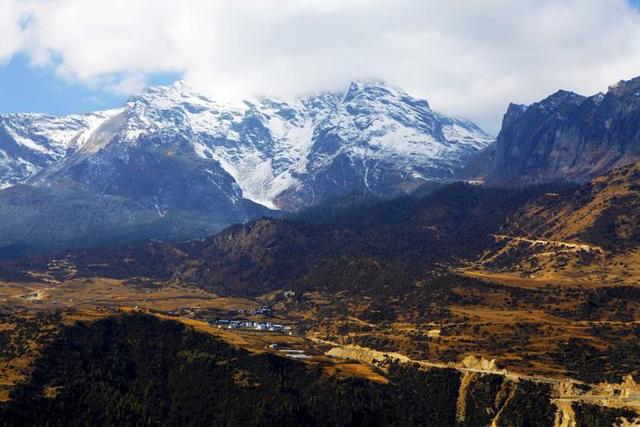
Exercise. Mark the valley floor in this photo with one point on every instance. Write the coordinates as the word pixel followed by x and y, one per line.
pixel 583 342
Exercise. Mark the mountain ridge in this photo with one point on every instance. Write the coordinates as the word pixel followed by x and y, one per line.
pixel 567 136
pixel 183 165
pixel 276 150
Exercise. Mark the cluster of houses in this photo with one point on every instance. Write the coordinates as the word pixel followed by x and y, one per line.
pixel 258 326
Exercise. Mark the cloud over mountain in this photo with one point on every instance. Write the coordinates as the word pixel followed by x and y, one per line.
pixel 470 57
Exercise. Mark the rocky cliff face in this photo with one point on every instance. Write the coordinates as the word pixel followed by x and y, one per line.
pixel 568 136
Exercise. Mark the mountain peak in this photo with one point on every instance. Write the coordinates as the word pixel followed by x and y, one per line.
pixel 372 89
pixel 178 91
pixel 361 84
pixel 624 87
pixel 561 97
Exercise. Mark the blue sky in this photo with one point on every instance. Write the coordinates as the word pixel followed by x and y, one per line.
pixel 469 58
pixel 28 88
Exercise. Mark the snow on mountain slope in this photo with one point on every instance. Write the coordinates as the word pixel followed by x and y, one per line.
pixel 31 142
pixel 281 154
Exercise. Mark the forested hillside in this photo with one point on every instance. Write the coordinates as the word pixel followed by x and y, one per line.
pixel 138 370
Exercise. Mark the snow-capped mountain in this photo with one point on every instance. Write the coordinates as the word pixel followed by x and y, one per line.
pixel 181 164
pixel 280 154
pixel 31 142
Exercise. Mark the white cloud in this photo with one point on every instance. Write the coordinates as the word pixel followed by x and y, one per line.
pixel 466 57
pixel 12 15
